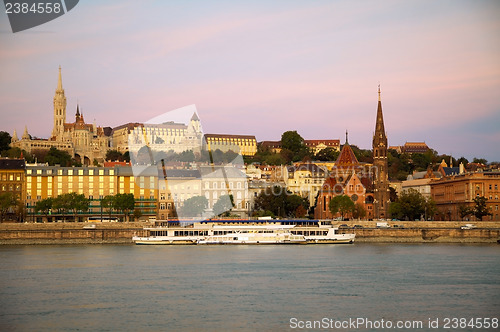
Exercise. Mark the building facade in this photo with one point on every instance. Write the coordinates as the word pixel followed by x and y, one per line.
pixel 94 183
pixel 246 145
pixel 12 180
pixel 347 177
pixel 454 191
pixel 305 180
pixel 167 136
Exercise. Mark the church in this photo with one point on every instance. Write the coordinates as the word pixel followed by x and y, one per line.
pixel 366 185
pixel 83 141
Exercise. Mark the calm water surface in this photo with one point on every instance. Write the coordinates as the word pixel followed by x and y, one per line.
pixel 224 288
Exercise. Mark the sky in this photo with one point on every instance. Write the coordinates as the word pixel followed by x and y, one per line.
pixel 264 67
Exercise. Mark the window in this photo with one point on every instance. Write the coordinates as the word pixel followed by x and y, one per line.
pixel 162 206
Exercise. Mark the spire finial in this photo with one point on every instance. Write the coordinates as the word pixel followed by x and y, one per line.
pixel 59 82
pixel 379 91
pixel 346 138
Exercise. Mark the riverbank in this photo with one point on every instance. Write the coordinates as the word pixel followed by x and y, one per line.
pixel 366 231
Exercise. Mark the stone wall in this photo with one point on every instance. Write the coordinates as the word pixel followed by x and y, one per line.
pixel 69 233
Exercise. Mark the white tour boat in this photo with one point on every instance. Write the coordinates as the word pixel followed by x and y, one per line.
pixel 243 231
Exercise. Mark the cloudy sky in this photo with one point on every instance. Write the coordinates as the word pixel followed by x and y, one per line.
pixel 264 67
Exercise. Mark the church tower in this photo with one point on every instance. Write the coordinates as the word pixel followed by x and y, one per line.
pixel 59 110
pixel 381 179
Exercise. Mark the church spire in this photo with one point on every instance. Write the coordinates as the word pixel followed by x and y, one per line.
pixel 381 179
pixel 346 138
pixel 379 136
pixel 59 109
pixel 59 82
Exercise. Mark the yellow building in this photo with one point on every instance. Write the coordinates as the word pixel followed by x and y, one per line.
pixel 12 181
pixel 94 182
pixel 305 180
pixel 244 144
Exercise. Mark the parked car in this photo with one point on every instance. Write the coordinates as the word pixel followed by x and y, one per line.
pixel 343 226
pixel 468 226
pixel 358 226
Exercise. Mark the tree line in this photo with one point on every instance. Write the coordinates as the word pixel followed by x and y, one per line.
pixel 73 203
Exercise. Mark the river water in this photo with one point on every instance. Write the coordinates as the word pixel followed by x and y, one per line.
pixel 251 288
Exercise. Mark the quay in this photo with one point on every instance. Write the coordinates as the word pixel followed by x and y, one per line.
pixel 366 231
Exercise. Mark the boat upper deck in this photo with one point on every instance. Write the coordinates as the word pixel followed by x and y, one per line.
pixel 242 223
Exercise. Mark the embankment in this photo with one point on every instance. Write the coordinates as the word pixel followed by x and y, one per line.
pixel 122 233
pixel 69 233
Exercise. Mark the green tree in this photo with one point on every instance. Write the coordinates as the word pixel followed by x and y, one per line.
pixel 294 205
pixel 412 205
pixel 126 156
pixel 5 140
pixel 17 153
pixel 186 156
pixel 108 202
pixel 480 161
pixel 44 206
pixel 55 156
pixel 341 204
pixel 114 155
pixel 462 160
pixel 194 206
pixel 480 208
pixel 274 159
pixel 464 211
pixel 224 205
pixel 7 201
pixel 430 208
pixel 292 141
pixel 278 201
pixel 137 214
pixel 63 204
pixel 359 211
pixel 327 154
pixel 125 203
pixel 395 210
pixel 293 147
pixel 78 202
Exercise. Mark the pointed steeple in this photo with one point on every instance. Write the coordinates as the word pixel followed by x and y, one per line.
pixel 59 82
pixel 59 109
pixel 346 158
pixel 381 179
pixel 14 137
pixel 195 117
pixel 77 110
pixel 379 136
pixel 25 134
